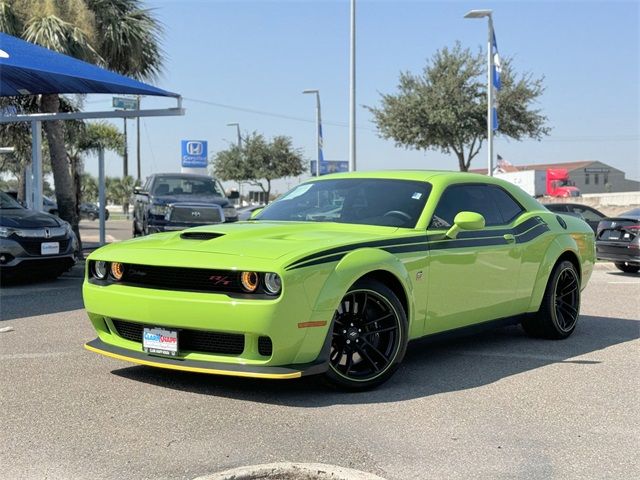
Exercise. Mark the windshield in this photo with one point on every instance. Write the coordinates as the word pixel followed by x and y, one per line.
pixel 186 186
pixel 6 201
pixel 367 201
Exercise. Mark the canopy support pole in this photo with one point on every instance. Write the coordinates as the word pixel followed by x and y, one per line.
pixel 102 198
pixel 36 166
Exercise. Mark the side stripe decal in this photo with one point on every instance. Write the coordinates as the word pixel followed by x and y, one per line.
pixel 525 232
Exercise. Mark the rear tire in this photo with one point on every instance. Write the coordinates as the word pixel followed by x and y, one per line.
pixel 627 268
pixel 369 337
pixel 560 308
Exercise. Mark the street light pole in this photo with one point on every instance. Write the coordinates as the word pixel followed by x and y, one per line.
pixel 488 14
pixel 237 125
pixel 318 127
pixel 138 141
pixel 352 91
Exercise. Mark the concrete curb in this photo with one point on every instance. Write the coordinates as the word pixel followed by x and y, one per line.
pixel 291 471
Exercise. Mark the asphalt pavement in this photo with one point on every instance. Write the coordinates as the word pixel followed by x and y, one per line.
pixel 495 405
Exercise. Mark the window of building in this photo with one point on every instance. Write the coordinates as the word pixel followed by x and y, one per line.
pixel 586 179
pixel 595 178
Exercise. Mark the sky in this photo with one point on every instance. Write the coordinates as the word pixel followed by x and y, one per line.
pixel 248 62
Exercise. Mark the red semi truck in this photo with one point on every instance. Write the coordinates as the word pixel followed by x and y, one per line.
pixel 552 182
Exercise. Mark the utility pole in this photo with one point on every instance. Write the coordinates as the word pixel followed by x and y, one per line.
pixel 138 141
pixel 125 157
pixel 352 91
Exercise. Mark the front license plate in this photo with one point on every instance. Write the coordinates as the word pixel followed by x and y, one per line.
pixel 49 248
pixel 160 341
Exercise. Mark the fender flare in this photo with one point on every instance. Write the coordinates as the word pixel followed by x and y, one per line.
pixel 560 245
pixel 356 265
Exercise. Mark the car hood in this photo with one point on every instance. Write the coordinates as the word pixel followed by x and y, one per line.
pixel 24 218
pixel 265 240
pixel 191 199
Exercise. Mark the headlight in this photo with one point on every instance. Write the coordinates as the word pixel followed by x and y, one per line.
pixel 249 281
pixel 117 271
pixel 6 232
pixel 272 283
pixel 67 228
pixel 100 269
pixel 159 210
pixel 229 212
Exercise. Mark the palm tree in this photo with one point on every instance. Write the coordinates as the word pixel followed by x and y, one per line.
pixel 117 34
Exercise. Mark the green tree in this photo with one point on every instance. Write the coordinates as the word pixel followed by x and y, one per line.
pixel 258 162
pixel 120 190
pixel 445 108
pixel 117 34
pixel 88 188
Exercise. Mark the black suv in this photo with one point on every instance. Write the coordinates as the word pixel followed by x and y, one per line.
pixel 175 201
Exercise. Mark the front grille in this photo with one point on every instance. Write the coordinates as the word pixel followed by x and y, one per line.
pixel 32 245
pixel 196 214
pixel 188 340
pixel 178 278
pixel 200 235
pixel 265 347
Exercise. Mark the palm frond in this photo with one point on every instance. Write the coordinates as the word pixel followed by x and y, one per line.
pixel 128 37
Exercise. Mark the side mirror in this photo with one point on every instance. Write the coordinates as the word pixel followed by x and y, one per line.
pixel 234 195
pixel 138 191
pixel 255 213
pixel 466 221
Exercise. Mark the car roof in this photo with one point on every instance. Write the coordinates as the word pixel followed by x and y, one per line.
pixel 181 175
pixel 418 175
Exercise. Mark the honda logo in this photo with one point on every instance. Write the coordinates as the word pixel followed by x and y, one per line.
pixel 47 233
pixel 195 148
pixel 195 213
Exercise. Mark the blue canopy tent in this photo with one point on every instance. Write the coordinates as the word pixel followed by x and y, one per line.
pixel 28 69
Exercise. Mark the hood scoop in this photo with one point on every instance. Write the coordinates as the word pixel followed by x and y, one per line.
pixel 200 235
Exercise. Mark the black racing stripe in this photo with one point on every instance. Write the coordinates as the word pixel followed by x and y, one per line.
pixel 424 247
pixel 524 232
pixel 329 259
pixel 533 233
pixel 467 242
pixel 354 246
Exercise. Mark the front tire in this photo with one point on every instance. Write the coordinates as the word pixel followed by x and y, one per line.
pixel 627 268
pixel 558 314
pixel 369 337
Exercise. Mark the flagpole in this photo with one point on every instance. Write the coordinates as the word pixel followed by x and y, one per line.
pixel 490 97
pixel 352 90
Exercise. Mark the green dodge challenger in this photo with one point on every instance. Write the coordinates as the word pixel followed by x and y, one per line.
pixel 336 276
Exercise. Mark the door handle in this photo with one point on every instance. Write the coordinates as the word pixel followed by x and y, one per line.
pixel 509 238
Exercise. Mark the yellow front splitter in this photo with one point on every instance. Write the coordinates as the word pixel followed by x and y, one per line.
pixel 251 371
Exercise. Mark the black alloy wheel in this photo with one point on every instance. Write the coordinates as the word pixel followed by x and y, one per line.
pixel 560 308
pixel 567 299
pixel 369 337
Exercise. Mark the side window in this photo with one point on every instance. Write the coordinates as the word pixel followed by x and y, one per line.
pixel 587 214
pixel 466 198
pixel 509 208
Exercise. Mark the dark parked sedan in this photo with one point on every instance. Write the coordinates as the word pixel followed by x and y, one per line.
pixel 33 243
pixel 618 240
pixel 588 214
pixel 91 211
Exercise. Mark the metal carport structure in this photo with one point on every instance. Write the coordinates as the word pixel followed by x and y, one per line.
pixel 28 69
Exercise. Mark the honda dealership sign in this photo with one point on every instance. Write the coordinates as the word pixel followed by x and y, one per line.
pixel 194 154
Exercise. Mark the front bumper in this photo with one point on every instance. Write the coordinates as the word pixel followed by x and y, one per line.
pixel 14 256
pixel 214 368
pixel 298 334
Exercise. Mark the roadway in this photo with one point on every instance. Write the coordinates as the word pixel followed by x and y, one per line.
pixel 496 405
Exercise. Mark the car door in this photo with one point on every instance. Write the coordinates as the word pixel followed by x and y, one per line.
pixel 474 277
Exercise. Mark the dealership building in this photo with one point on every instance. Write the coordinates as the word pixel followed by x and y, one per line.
pixel 589 176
